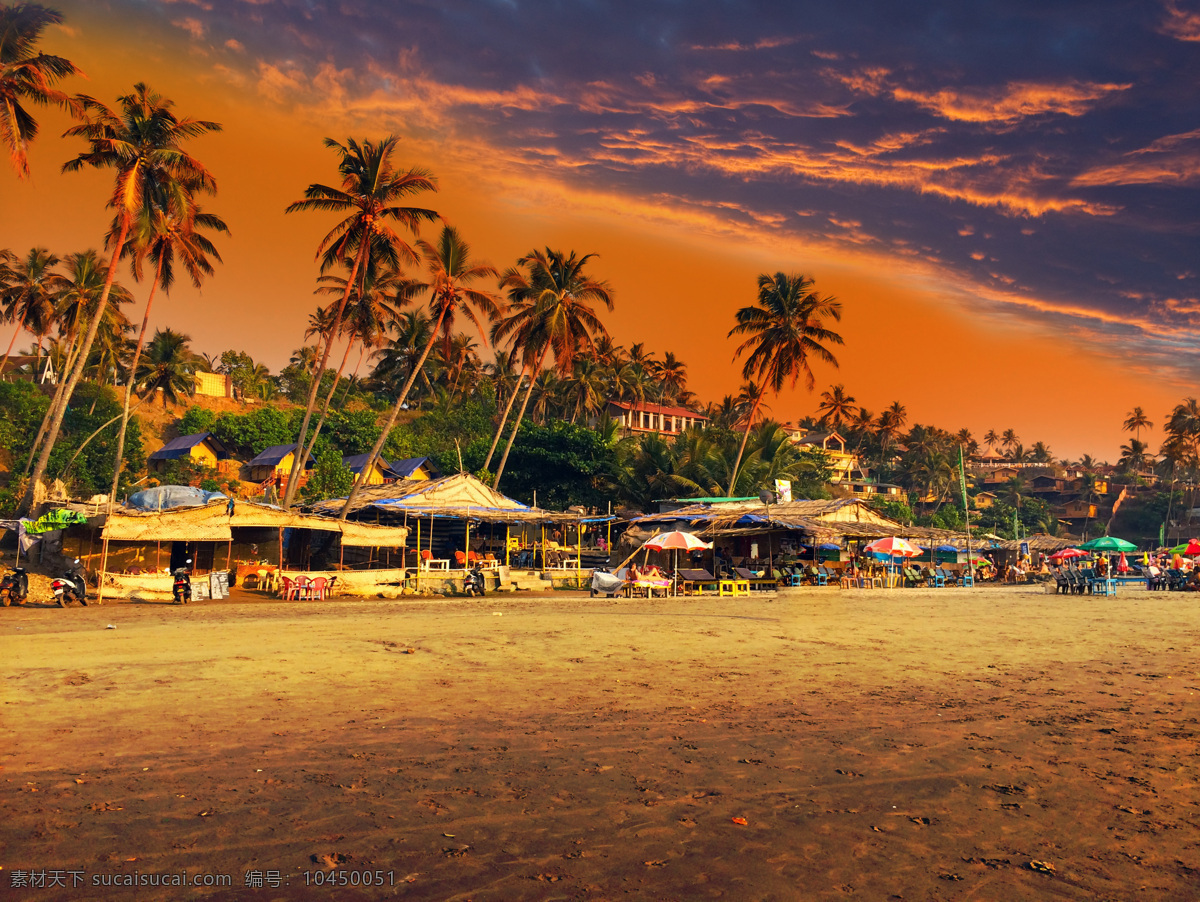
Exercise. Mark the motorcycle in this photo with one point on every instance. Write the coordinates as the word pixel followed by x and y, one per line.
pixel 473 582
pixel 606 583
pixel 14 588
pixel 71 585
pixel 181 590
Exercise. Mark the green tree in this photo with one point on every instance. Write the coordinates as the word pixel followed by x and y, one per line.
pixel 783 330
pixel 27 76
pixel 29 290
pixel 329 478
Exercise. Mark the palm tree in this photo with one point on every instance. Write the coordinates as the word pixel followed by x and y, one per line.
pixel 143 144
pixel 1136 421
pixel 785 328
pixel 1040 453
pixel 370 193
pixel 170 365
pixel 672 376
pixel 451 272
pixel 1133 456
pixel 551 303
pixel 162 235
pixel 967 442
pixel 26 76
pixel 1010 439
pixel 836 406
pixel 31 285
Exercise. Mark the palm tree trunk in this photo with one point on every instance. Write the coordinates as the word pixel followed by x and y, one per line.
pixel 130 379
pixel 391 421
pixel 55 414
pixel 512 396
pixel 325 409
pixel 520 416
pixel 362 349
pixel 293 482
pixel 742 450
pixel 16 332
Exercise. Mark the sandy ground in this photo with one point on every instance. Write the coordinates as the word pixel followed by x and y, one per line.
pixel 953 744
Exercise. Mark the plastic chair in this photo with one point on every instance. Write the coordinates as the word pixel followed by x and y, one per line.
pixel 290 590
pixel 303 588
pixel 460 560
pixel 317 588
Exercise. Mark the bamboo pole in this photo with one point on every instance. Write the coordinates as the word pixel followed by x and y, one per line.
pixel 507 542
pixel 103 566
pixel 418 555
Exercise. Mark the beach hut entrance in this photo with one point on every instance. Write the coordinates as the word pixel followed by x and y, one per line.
pixel 201 554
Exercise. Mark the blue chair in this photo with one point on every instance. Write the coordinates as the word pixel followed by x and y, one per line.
pixel 938 578
pixel 822 576
pixel 966 578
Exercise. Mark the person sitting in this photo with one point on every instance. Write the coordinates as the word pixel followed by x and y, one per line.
pixel 1192 583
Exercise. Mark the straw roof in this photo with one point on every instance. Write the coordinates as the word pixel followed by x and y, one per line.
pixel 457 497
pixel 214 523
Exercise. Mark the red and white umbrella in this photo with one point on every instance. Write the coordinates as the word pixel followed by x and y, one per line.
pixel 1067 554
pixel 892 545
pixel 677 541
pixel 680 541
pixel 1122 564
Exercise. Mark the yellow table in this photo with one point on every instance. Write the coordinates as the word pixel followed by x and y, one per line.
pixel 733 587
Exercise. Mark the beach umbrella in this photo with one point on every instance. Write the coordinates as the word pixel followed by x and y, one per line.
pixel 1067 554
pixel 892 546
pixel 1110 543
pixel 1122 564
pixel 680 541
pixel 676 541
pixel 1189 549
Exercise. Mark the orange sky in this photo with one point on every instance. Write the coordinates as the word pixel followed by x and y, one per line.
pixel 914 331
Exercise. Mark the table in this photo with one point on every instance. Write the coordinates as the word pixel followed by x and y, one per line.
pixel 733 587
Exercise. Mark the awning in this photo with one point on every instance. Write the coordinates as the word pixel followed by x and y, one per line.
pixel 368 534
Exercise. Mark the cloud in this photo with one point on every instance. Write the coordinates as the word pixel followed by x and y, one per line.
pixel 1182 24
pixel 1173 160
pixel 1007 103
pixel 192 26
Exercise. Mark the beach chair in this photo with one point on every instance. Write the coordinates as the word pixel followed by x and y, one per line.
pixel 460 560
pixel 692 582
pixel 821 576
pixel 966 578
pixel 1062 584
pixel 937 578
pixel 762 583
pixel 429 562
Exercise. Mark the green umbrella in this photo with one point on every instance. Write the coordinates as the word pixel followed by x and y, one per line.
pixel 1108 543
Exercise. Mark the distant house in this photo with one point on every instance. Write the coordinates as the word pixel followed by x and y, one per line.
pixel 275 461
pixel 643 417
pixel 415 468
pixel 381 470
pixel 842 462
pixel 203 447
pixel 1001 475
pixel 214 385
pixel 866 490
pixel 24 368
pixel 984 500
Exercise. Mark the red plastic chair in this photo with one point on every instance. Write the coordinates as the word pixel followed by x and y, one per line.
pixel 317 588
pixel 290 589
pixel 460 559
pixel 303 588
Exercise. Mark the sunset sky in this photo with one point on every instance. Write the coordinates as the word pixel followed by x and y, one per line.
pixel 1003 195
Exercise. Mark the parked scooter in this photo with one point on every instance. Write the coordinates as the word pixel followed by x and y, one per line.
pixel 70 586
pixel 473 582
pixel 14 588
pixel 181 590
pixel 606 583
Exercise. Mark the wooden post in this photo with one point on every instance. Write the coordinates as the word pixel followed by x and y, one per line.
pixel 507 542
pixel 467 547
pixel 341 555
pixel 281 551
pixel 229 555
pixel 543 538
pixel 158 555
pixel 578 547
pixel 418 555
pixel 103 566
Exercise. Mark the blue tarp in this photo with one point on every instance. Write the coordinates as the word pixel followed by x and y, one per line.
pixel 166 497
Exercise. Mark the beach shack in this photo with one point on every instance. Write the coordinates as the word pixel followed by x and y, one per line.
pixel 140 548
pixel 204 448
pixel 379 473
pixel 420 468
pixel 457 520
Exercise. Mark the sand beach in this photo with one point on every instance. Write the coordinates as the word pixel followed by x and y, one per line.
pixel 997 743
